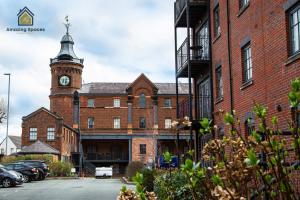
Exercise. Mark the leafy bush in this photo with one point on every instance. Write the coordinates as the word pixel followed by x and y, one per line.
pixel 172 187
pixel 132 168
pixel 148 180
pixel 46 157
pixel 59 168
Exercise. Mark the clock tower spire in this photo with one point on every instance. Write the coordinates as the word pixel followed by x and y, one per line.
pixel 66 71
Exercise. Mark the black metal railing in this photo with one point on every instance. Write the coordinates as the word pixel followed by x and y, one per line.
pixel 180 5
pixel 107 156
pixel 198 50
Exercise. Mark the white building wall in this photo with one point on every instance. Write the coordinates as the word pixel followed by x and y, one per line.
pixel 11 147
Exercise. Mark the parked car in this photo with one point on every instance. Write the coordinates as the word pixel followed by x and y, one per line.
pixel 29 173
pixel 40 165
pixel 10 178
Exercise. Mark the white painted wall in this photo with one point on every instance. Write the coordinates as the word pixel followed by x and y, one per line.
pixel 11 147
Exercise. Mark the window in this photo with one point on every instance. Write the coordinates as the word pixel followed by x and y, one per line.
pixel 91 103
pixel 217 28
pixel 168 123
pixel 295 30
pixel 142 122
pixel 142 100
pixel 202 41
pixel 2 151
pixel 168 103
pixel 219 83
pixel 249 126
pixel 247 63
pixel 12 150
pixel 91 122
pixel 33 134
pixel 143 148
pixel 243 3
pixel 117 122
pixel 50 133
pixel 117 103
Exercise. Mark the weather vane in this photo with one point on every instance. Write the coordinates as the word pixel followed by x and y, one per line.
pixel 67 24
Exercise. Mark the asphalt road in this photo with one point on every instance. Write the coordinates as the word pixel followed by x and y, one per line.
pixel 78 189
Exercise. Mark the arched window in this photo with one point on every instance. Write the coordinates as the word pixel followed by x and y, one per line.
pixel 249 126
pixel 142 100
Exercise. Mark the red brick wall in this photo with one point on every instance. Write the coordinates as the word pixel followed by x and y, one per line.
pixel 42 120
pixel 265 23
pixel 136 156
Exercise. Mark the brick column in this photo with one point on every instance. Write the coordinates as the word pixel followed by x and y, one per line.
pixel 129 115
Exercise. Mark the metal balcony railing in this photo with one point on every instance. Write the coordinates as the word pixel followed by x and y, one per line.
pixel 198 50
pixel 114 156
pixel 180 5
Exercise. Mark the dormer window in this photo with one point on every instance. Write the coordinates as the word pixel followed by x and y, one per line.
pixel 142 101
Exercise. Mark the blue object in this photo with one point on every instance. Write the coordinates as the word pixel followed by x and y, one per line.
pixel 164 164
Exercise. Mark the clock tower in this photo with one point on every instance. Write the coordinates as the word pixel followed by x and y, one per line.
pixel 66 70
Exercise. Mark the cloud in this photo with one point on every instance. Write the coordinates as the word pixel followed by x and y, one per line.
pixel 118 40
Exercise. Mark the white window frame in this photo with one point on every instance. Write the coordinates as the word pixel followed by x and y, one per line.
pixel 32 134
pixel 91 121
pixel 168 123
pixel 50 133
pixel 117 103
pixel 117 122
pixel 91 103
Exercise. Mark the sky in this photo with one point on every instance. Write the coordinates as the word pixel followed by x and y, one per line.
pixel 118 40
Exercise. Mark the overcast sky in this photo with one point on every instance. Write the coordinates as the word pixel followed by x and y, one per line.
pixel 118 40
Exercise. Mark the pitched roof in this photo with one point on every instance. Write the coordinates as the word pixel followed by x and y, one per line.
pixel 39 147
pixel 39 110
pixel 16 140
pixel 120 88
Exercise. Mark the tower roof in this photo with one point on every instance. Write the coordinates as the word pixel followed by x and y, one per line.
pixel 66 52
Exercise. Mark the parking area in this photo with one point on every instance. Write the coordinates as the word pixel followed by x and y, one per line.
pixel 79 189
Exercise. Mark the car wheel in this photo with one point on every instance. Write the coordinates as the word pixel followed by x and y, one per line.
pixel 41 176
pixel 37 176
pixel 6 183
pixel 26 178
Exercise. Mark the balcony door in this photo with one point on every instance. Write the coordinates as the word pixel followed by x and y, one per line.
pixel 204 99
pixel 202 42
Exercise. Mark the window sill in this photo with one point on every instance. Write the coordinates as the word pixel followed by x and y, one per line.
pixel 292 59
pixel 219 100
pixel 242 9
pixel 50 140
pixel 216 38
pixel 33 140
pixel 247 84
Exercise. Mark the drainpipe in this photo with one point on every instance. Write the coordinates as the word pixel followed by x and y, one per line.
pixel 229 57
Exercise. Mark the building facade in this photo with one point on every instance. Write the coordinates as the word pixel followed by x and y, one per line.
pixel 13 145
pixel 249 55
pixel 118 122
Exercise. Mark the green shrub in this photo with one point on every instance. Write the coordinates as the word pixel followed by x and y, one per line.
pixel 173 187
pixel 132 168
pixel 59 168
pixel 148 180
pixel 9 159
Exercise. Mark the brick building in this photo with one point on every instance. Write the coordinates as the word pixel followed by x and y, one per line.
pixel 237 53
pixel 119 122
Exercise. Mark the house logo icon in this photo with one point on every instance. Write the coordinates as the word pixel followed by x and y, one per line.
pixel 25 17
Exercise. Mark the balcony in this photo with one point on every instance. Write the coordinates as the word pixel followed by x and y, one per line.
pixel 196 8
pixel 107 157
pixel 199 55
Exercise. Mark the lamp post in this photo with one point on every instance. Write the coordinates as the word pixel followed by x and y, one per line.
pixel 8 96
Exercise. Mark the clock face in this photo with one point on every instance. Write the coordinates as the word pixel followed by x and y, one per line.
pixel 64 80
